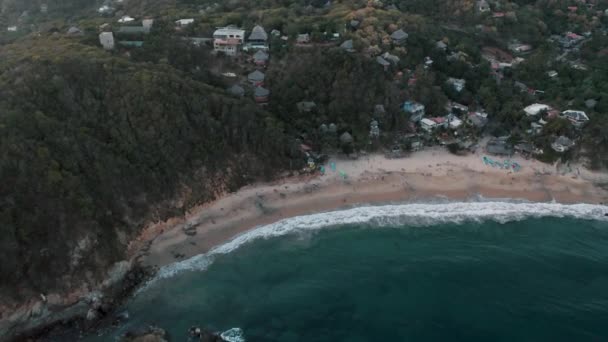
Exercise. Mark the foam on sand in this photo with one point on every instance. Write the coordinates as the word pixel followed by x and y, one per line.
pixel 421 214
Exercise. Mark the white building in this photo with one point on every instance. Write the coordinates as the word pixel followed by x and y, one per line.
pixel 184 22
pixel 106 39
pixel 126 19
pixel 428 124
pixel 147 24
pixel 578 118
pixel 536 108
pixel 228 39
pixel 562 144
pixel 455 122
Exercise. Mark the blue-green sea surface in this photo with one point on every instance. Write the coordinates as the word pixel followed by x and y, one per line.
pixel 537 279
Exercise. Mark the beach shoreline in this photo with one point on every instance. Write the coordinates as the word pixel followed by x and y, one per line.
pixel 431 175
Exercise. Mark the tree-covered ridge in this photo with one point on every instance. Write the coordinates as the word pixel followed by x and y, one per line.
pixel 89 143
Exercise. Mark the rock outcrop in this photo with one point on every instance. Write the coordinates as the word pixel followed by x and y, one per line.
pixel 85 305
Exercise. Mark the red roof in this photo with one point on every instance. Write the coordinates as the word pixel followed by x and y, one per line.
pixel 573 35
pixel 499 14
pixel 572 8
pixel 438 120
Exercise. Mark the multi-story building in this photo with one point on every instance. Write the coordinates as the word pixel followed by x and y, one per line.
pixel 228 40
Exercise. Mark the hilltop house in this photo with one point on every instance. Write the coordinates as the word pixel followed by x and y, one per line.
pixel 228 39
pixel 256 78
pixel 399 37
pixel 258 39
pixel 562 144
pixel 415 109
pixel 578 118
pixel 106 39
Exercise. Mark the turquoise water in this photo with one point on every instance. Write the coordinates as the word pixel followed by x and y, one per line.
pixel 538 279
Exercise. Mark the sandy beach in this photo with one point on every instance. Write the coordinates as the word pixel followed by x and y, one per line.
pixel 373 179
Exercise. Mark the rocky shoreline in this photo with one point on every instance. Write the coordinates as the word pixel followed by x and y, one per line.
pixel 53 316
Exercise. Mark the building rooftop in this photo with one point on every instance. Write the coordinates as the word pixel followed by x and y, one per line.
pixel 399 35
pixel 536 108
pixel 258 33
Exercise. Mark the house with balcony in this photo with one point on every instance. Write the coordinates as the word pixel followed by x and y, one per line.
pixel 228 40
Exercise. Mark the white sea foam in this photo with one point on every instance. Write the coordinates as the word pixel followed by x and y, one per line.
pixel 233 335
pixel 393 215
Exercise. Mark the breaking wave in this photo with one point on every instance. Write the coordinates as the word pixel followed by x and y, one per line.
pixel 393 215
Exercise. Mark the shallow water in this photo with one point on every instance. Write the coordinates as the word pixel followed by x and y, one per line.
pixel 537 279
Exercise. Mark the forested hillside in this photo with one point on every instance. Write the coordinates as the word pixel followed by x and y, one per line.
pixel 89 143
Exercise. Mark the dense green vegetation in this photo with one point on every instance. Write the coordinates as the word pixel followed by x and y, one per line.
pixel 89 143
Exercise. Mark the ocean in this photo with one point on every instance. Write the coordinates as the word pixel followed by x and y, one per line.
pixel 483 271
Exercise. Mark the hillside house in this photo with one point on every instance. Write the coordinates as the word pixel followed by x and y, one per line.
pixel 147 24
pixel 536 108
pixel 399 37
pixel 391 58
pixel 482 6
pixel 428 125
pixel 228 39
pixel 260 58
pixel 125 19
pixel 578 118
pixel 74 31
pixel 256 78
pixel 415 109
pixel 440 45
pixel 258 39
pixel 303 38
pixel 306 106
pixel 106 39
pixel 261 94
pixel 237 90
pixel 457 83
pixel 131 30
pixel 520 48
pixel 499 147
pixel 383 62
pixel 184 22
pixel 562 144
pixel 347 46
